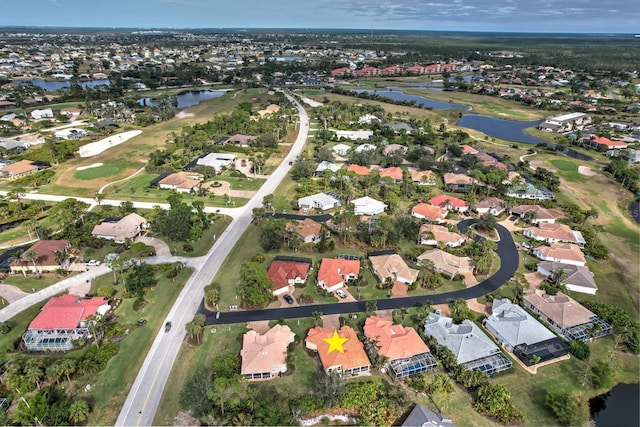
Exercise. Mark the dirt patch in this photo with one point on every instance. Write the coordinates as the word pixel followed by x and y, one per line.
pixel 535 163
pixel 586 171
pixel 185 419
pixel 260 327
pixel 534 279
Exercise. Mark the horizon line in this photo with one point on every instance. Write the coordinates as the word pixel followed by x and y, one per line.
pixel 370 30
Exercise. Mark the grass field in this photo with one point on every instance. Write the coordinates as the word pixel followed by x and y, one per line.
pixel 98 172
pixel 27 284
pixel 111 386
pixel 133 154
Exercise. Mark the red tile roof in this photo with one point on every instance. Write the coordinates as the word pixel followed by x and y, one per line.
pixel 431 212
pixel 441 200
pixel 601 140
pixel 66 312
pixel 359 170
pixel 394 173
pixel 283 271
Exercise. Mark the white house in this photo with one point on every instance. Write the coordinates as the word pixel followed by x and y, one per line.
pixel 46 113
pixel 217 160
pixel 367 206
pixel 341 149
pixel 365 147
pixel 322 201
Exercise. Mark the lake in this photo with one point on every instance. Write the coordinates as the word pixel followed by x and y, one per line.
pixel 187 99
pixel 428 103
pixel 512 130
pixel 618 407
pixel 56 85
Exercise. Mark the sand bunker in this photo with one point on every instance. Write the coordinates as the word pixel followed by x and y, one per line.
pixel 586 171
pixel 183 115
pixel 310 102
pixel 94 165
pixel 95 148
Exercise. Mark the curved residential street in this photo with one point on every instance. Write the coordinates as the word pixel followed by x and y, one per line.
pixel 144 397
pixel 506 250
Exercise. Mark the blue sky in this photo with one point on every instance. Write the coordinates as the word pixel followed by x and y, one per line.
pixel 584 16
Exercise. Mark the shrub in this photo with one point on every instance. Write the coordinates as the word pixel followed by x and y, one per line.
pixel 580 350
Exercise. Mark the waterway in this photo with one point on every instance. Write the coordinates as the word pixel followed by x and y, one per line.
pixel 189 98
pixel 618 407
pixel 512 130
pixel 427 103
pixel 51 86
pixel 634 210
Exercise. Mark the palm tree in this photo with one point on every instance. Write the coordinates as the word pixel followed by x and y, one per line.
pixel 54 372
pixel 370 307
pixel 317 318
pixel 67 368
pixel 99 198
pixel 30 256
pixel 17 194
pixel 79 411
pixel 34 375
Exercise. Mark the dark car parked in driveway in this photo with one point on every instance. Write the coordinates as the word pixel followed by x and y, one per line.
pixel 288 298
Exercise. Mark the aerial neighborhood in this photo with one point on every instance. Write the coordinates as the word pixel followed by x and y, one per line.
pixel 314 229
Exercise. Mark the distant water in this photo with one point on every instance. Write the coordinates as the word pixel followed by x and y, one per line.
pixel 618 407
pixel 397 95
pixel 634 210
pixel 510 130
pixel 53 86
pixel 190 98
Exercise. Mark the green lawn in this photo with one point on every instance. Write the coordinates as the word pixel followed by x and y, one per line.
pixel 98 172
pixel 202 246
pixel 32 281
pixel 111 386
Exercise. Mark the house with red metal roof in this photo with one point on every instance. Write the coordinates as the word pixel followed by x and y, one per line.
pixel 285 274
pixel 63 320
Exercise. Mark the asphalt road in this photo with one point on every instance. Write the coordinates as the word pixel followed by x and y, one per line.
pixel 145 394
pixel 506 250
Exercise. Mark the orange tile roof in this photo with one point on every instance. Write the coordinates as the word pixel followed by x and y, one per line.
pixel 393 173
pixel 354 355
pixel 394 341
pixel 433 213
pixel 441 199
pixel 418 176
pixel 358 170
pixel 333 270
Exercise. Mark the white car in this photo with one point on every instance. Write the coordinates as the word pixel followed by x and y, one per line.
pixel 92 262
pixel 341 293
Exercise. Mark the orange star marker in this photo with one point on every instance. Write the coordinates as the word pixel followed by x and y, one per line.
pixel 335 342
